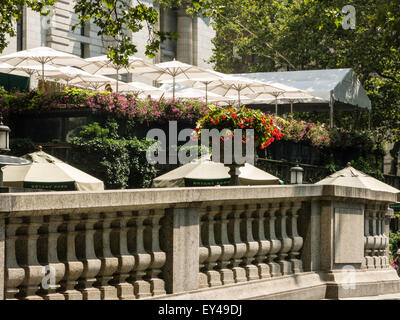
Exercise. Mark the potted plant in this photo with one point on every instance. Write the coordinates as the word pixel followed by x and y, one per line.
pixel 264 129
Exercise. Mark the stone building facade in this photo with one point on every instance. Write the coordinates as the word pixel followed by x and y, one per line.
pixel 55 30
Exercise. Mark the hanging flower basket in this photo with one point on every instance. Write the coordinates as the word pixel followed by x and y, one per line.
pixel 226 120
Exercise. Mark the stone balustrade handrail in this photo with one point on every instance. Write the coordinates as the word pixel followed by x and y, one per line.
pixel 290 241
pixel 44 203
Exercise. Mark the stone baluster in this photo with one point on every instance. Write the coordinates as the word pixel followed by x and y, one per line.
pixel 227 248
pixel 109 262
pixel 158 257
pixel 203 250
pixel 264 245
pixel 285 240
pixel 297 241
pixel 214 250
pixel 14 273
pixel 377 238
pixel 252 246
pixel 73 267
pixel 34 272
pixel 126 260
pixel 240 247
pixel 56 269
pixel 143 259
pixel 384 237
pixel 275 243
pixel 86 253
pixel 369 261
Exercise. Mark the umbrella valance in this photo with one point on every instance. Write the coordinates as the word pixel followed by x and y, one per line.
pixel 209 173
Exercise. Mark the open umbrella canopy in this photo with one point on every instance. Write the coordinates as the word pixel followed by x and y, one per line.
pixel 173 70
pixel 41 56
pixel 69 73
pixel 232 85
pixel 49 173
pixel 103 65
pixel 351 177
pixel 285 94
pixel 26 69
pixel 145 89
pixel 208 173
pixel 93 81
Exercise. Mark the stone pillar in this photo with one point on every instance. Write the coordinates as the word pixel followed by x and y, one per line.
pixel 184 52
pixel 326 236
pixel 180 235
pixel 2 257
pixel 310 230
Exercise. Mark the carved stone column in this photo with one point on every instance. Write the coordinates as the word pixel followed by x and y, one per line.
pixel 34 272
pixel 384 239
pixel 158 257
pixel 126 260
pixel 297 241
pixel 143 259
pixel 73 267
pixel 369 238
pixel 109 263
pixel 203 250
pixel 377 239
pixel 240 247
pixel 14 273
pixel 213 276
pixel 252 246
pixel 52 260
pixel 264 245
pixel 275 243
pixel 86 253
pixel 227 248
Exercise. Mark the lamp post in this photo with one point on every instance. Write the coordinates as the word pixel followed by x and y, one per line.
pixel 4 136
pixel 5 147
pixel 296 174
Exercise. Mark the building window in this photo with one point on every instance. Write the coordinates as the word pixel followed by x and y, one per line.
pixel 84 50
pixel 85 29
pixel 20 33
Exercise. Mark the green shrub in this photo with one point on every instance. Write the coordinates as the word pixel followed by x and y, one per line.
pixel 121 163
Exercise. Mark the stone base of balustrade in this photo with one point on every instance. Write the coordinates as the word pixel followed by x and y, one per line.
pixel 361 283
pixel 301 286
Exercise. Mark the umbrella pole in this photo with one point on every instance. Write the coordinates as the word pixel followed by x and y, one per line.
pixel 291 107
pixel 206 93
pixel 239 97
pixel 43 76
pixel 173 87
pixel 276 106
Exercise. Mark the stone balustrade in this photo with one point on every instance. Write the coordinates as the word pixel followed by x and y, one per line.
pixel 194 243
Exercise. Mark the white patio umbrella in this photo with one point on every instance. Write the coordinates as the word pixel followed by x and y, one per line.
pixel 286 94
pixel 69 73
pixel 146 89
pixel 103 65
pixel 25 70
pixel 230 85
pixel 48 172
pixel 173 70
pixel 42 56
pixel 93 81
pixel 184 92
